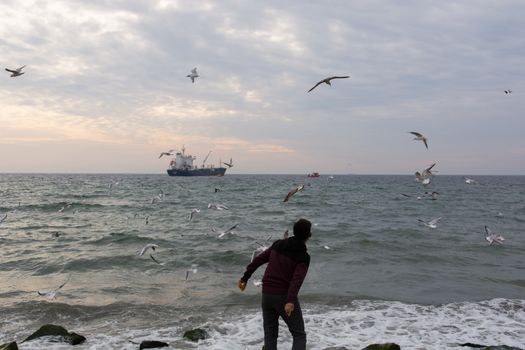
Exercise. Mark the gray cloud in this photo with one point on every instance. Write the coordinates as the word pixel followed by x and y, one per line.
pixel 117 70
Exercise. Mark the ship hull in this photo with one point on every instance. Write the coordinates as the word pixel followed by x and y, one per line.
pixel 197 172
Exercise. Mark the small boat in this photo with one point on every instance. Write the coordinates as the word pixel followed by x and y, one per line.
pixel 314 174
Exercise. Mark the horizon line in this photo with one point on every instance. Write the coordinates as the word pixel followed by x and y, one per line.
pixel 269 174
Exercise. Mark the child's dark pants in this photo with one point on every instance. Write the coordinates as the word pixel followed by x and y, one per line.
pixel 272 308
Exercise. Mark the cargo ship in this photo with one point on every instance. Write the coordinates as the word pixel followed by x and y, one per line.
pixel 182 165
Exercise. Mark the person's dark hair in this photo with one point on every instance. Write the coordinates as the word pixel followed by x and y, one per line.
pixel 302 229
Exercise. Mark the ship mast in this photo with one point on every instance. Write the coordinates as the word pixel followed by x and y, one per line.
pixel 205 159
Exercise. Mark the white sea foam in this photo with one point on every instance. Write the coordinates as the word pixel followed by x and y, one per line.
pixel 363 322
pixel 494 322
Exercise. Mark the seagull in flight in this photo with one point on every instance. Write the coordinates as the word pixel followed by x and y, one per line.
pixel 224 233
pixel 257 282
pixel 493 237
pixel 262 247
pixel 292 192
pixel 168 153
pixel 431 224
pixel 192 269
pixel 15 72
pixel 152 247
pixel 110 186
pixel 424 176
pixel 53 293
pixel 153 258
pixel 217 206
pixel 158 198
pixel 505 91
pixel 64 208
pixel 193 75
pixel 193 212
pixel 229 165
pixel 420 137
pixel 327 81
pixel 148 246
pixel 470 181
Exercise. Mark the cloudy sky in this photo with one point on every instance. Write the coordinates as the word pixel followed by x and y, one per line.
pixel 105 88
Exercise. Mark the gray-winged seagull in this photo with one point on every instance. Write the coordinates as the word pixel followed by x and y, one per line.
pixel 15 72
pixel 327 81
pixel 193 75
pixel 420 137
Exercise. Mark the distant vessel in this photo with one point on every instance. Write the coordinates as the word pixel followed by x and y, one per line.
pixel 182 165
pixel 314 174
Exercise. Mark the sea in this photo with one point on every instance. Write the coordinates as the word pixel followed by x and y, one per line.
pixel 377 273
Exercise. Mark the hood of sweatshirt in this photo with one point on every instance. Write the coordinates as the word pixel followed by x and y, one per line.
pixel 293 248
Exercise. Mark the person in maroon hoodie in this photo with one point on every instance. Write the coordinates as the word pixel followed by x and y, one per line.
pixel 288 263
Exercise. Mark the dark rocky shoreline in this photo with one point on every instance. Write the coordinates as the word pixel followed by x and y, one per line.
pixel 60 334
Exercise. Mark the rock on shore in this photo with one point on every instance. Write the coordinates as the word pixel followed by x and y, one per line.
pixel 9 346
pixel 51 330
pixel 386 346
pixel 151 344
pixel 196 334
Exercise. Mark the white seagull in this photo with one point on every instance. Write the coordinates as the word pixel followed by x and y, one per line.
pixel 327 81
pixel 431 224
pixel 110 186
pixel 193 75
pixel 292 192
pixel 493 237
pixel 64 208
pixel 53 293
pixel 257 282
pixel 217 206
pixel 425 175
pixel 193 270
pixel 224 233
pixel 262 247
pixel 420 137
pixel 168 153
pixel 148 246
pixel 16 72
pixel 470 181
pixel 229 165
pixel 193 212
pixel 158 198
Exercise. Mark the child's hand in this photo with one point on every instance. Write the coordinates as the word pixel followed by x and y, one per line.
pixel 242 285
pixel 288 309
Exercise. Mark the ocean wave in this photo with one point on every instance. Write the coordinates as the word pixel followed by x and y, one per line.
pixel 356 325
